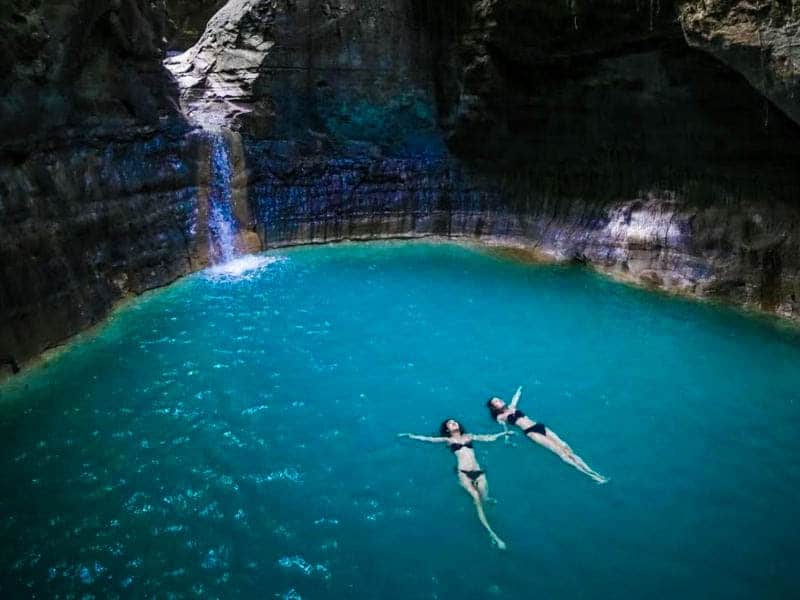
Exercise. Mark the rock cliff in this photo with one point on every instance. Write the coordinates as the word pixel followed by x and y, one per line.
pixel 98 174
pixel 759 39
pixel 591 132
pixel 188 20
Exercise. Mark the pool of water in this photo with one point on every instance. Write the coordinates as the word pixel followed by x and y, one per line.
pixel 235 435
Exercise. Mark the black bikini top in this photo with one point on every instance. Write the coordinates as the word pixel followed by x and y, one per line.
pixel 512 418
pixel 455 447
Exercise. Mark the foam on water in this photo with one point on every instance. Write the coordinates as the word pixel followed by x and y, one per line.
pixel 243 267
pixel 234 435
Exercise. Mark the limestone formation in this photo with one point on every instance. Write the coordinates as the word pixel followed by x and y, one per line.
pixel 216 75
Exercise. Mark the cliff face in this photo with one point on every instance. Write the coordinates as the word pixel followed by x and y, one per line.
pixel 79 63
pixel 341 71
pixel 71 246
pixel 97 174
pixel 759 39
pixel 619 146
pixel 188 20
pixel 588 131
pixel 585 131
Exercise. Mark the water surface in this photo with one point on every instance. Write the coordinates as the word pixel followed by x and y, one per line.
pixel 234 435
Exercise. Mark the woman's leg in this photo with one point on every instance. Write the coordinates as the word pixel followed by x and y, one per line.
pixel 483 488
pixel 576 460
pixel 552 442
pixel 466 483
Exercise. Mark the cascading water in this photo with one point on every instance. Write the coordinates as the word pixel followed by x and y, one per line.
pixel 221 222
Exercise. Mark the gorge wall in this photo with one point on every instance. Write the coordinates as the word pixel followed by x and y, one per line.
pixel 584 131
pixel 98 180
pixel 589 132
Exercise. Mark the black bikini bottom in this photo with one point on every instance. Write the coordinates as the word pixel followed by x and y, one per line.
pixel 473 475
pixel 537 428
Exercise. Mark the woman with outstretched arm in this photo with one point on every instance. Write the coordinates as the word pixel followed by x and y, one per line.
pixel 509 414
pixel 470 475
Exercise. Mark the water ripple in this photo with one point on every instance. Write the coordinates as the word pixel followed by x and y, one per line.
pixel 299 563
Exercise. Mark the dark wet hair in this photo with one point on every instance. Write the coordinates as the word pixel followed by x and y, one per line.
pixel 443 432
pixel 492 410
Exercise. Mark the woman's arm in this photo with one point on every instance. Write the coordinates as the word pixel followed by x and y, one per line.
pixel 491 437
pixel 423 438
pixel 505 430
pixel 515 399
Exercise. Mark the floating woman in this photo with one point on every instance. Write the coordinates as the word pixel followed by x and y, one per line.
pixel 538 433
pixel 469 471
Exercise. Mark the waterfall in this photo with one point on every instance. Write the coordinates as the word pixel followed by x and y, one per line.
pixel 221 222
pixel 226 239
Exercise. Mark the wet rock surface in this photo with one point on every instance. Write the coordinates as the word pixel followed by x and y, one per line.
pixel 217 74
pixel 340 71
pixel 71 246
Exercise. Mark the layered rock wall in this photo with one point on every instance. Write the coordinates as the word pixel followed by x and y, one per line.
pixel 597 137
pixel 85 225
pixel 736 248
pixel 98 172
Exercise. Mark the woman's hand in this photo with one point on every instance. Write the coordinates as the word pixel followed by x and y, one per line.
pixel 405 435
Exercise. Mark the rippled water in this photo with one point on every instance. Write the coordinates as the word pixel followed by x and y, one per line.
pixel 234 435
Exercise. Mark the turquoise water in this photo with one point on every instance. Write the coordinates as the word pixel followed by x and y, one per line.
pixel 236 436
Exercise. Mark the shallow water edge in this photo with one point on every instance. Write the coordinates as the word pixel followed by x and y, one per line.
pixel 514 249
